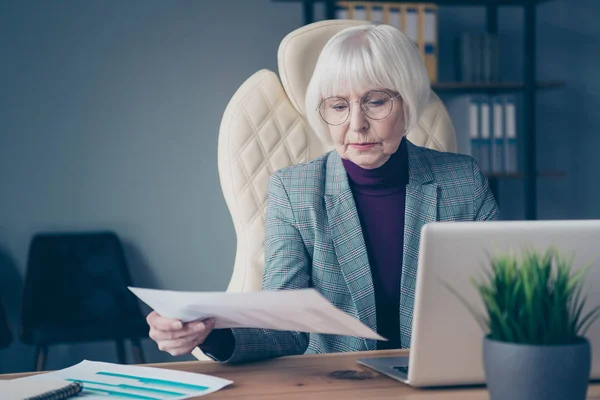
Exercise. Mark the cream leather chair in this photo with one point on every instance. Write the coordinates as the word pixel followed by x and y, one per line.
pixel 264 129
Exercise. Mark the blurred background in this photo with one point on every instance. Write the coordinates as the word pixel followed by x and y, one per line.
pixel 110 111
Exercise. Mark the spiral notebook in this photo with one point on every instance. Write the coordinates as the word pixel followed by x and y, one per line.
pixel 38 390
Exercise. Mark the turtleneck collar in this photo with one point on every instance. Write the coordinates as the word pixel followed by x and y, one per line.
pixel 389 178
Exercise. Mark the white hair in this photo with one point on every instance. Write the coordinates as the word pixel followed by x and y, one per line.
pixel 366 56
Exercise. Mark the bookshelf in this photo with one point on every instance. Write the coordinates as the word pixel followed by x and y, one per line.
pixel 475 3
pixel 490 88
pixel 528 87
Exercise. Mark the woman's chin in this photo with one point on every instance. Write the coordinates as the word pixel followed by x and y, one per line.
pixel 368 160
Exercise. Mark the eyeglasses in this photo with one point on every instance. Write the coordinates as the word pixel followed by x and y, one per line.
pixel 375 104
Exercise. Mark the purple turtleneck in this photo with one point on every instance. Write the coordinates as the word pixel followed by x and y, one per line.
pixel 380 195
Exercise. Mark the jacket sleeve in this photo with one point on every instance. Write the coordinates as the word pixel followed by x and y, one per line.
pixel 485 205
pixel 287 266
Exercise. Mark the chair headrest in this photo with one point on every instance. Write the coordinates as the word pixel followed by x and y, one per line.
pixel 298 54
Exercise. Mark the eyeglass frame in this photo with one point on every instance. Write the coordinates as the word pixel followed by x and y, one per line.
pixel 392 98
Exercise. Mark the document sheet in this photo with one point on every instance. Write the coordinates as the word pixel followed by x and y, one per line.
pixel 304 310
pixel 106 380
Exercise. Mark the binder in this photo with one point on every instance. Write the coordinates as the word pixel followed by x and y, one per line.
pixel 474 130
pixel 494 58
pixel 476 58
pixel 485 134
pixel 498 135
pixel 511 150
pixel 430 48
pixel 359 12
pixel 486 58
pixel 464 63
pixel 463 114
pixel 395 17
pixel 341 10
pixel 411 26
pixel 377 14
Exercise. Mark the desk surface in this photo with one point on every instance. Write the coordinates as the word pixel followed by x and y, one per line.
pixel 331 376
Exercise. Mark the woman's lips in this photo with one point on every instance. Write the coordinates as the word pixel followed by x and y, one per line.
pixel 363 146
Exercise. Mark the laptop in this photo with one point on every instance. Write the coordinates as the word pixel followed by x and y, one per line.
pixel 446 344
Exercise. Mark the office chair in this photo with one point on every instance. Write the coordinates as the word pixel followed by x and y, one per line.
pixel 264 128
pixel 5 332
pixel 75 290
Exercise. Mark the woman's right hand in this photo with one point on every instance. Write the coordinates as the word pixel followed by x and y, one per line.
pixel 175 337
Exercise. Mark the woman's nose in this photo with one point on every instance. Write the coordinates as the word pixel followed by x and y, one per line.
pixel 358 119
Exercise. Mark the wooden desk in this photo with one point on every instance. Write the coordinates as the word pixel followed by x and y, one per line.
pixel 328 376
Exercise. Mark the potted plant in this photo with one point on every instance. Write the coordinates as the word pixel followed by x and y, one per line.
pixel 534 347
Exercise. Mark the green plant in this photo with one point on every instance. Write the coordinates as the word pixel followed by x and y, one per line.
pixel 535 299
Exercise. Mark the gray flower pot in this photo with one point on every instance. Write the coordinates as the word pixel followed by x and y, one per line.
pixel 519 371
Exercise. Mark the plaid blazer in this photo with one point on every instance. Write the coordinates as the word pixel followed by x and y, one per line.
pixel 314 239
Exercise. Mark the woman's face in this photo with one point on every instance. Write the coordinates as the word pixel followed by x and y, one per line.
pixel 373 130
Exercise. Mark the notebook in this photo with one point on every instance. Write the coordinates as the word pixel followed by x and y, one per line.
pixel 38 390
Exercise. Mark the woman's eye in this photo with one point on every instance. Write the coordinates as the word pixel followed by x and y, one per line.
pixel 375 103
pixel 339 107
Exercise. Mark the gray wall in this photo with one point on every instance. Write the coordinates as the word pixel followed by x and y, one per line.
pixel 109 117
pixel 109 113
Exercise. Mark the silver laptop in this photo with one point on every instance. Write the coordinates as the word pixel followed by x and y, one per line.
pixel 446 345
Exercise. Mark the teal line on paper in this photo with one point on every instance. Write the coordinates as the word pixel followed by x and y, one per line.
pixel 156 381
pixel 112 393
pixel 124 386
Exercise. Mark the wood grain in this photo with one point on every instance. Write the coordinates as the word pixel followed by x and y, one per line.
pixel 331 376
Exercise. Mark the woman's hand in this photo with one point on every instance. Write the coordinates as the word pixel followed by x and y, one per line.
pixel 175 337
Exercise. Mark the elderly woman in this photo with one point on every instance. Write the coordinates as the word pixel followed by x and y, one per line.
pixel 348 222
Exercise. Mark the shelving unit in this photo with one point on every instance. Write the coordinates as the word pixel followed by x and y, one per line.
pixel 528 86
pixel 490 88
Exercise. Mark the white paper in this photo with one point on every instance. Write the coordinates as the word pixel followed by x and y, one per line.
pixel 105 380
pixel 304 310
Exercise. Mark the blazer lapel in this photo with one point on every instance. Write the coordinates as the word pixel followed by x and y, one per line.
pixel 421 208
pixel 350 249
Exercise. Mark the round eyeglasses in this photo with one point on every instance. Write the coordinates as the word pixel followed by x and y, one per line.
pixel 375 104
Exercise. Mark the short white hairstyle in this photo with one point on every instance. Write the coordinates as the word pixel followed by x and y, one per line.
pixel 360 57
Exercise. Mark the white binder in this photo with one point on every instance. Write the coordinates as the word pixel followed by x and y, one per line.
pixel 510 151
pixel 498 135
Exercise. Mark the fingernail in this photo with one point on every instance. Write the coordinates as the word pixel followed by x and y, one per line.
pixel 199 326
pixel 176 325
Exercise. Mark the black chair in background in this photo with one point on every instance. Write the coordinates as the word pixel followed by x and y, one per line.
pixel 75 290
pixel 5 333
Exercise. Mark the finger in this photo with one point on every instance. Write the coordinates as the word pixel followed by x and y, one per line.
pixel 181 351
pixel 156 321
pixel 188 341
pixel 159 335
pixel 209 324
pixel 189 329
pixel 188 347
